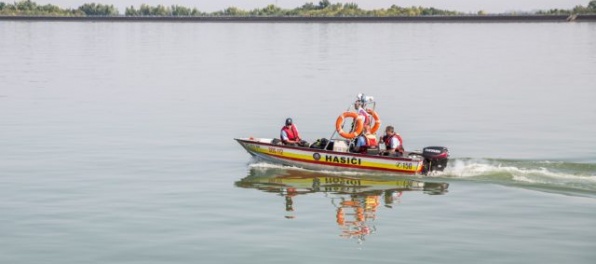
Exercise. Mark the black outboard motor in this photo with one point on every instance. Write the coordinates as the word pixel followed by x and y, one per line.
pixel 435 158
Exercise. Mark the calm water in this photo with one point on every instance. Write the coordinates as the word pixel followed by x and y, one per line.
pixel 116 142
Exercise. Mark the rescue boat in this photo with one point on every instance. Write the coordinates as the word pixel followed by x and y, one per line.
pixel 335 154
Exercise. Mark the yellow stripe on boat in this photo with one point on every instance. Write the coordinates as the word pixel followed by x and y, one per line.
pixel 338 158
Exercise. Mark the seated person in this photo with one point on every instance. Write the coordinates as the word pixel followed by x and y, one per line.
pixel 365 141
pixel 393 142
pixel 289 134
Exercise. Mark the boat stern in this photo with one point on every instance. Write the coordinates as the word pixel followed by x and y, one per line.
pixel 435 158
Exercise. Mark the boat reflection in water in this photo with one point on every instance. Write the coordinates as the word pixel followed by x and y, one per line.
pixel 355 198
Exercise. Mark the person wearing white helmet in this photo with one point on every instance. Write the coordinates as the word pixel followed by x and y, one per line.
pixel 359 107
pixel 361 141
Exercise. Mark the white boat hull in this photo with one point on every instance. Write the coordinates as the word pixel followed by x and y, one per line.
pixel 318 159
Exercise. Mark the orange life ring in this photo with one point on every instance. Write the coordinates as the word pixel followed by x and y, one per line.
pixel 377 119
pixel 357 130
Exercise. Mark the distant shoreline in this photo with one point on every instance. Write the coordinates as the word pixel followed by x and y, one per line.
pixel 264 19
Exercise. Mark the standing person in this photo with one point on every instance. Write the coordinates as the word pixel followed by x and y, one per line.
pixel 359 107
pixel 393 142
pixel 289 133
pixel 361 141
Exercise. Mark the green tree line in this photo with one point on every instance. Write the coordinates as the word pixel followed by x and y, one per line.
pixel 30 8
pixel 161 10
pixel 33 9
pixel 323 8
pixel 581 10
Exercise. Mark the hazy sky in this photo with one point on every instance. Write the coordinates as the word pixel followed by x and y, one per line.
pixel 492 6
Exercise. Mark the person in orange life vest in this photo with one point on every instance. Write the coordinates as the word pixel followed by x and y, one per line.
pixel 289 133
pixel 366 140
pixel 393 142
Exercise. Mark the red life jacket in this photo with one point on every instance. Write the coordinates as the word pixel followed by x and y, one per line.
pixel 292 132
pixel 387 141
pixel 371 141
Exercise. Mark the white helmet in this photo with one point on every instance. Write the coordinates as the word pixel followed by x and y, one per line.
pixel 364 98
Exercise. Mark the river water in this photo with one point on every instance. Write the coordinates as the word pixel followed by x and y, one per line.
pixel 116 142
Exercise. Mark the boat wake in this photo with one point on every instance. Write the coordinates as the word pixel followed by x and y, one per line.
pixel 555 176
pixel 548 176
